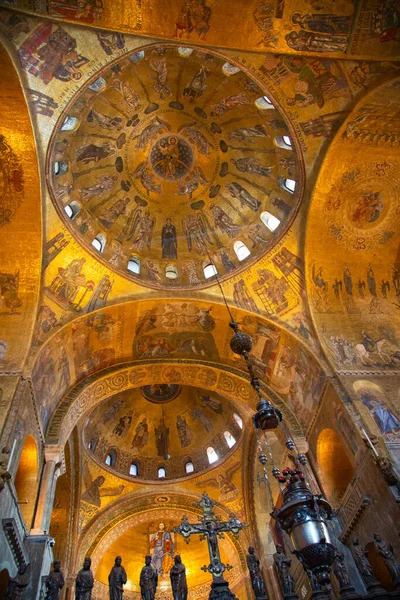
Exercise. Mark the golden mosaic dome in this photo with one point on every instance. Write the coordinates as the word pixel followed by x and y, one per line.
pixel 172 164
pixel 162 431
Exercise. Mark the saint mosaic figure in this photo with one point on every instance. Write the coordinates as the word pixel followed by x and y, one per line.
pixel 117 579
pixel 54 582
pixel 148 580
pixel 178 579
pixel 84 581
pixel 168 240
pixel 257 581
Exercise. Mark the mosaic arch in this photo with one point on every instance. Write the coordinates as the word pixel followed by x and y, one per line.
pixel 140 527
pixel 134 432
pixel 119 512
pixel 173 331
pixel 226 382
pixel 172 159
pixel 354 281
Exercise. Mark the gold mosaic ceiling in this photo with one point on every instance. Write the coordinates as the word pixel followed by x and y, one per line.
pixel 162 425
pixel 166 160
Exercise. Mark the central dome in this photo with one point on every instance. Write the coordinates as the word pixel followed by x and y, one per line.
pixel 171 160
pixel 162 426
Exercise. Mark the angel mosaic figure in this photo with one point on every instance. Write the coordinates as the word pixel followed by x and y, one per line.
pixel 196 137
pixel 93 494
pixel 224 482
pixel 139 229
pixel 195 227
pixel 144 173
pixel 224 222
pixel 155 127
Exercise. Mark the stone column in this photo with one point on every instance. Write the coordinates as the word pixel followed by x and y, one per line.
pixel 52 468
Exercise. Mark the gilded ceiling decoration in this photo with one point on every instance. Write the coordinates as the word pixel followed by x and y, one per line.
pixel 161 425
pixel 170 161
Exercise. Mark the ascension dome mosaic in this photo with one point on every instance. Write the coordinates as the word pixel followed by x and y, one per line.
pixel 172 166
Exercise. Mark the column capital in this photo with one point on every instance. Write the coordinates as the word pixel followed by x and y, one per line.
pixel 54 453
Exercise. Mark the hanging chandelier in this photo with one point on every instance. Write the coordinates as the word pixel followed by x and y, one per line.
pixel 303 514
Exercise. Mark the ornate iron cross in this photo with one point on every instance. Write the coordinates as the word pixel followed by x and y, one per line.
pixel 211 528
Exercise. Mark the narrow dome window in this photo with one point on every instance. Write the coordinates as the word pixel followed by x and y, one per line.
pixel 289 185
pixel 229 69
pixel 92 444
pixel 69 123
pixel 209 270
pixel 269 220
pixel 111 458
pixel 171 272
pixel 238 420
pixel 212 455
pixel 162 473
pixel 99 242
pixel 72 209
pixel 137 57
pixel 189 467
pixel 134 265
pixel 185 52
pixel 264 103
pixel 97 85
pixel 230 440
pixel 241 250
pixel 284 141
pixel 60 167
pixel 134 470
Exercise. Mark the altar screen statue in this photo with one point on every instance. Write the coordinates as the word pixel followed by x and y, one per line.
pixel 148 580
pixel 162 550
pixel 117 579
pixel 84 581
pixel 178 580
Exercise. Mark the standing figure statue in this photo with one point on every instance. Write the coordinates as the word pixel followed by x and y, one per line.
pixel 54 582
pixel 386 551
pixel 363 564
pixel 84 581
pixel 340 571
pixel 117 579
pixel 282 566
pixel 257 581
pixel 178 579
pixel 148 580
pixel 17 585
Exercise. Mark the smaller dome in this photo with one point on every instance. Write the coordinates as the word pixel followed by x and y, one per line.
pixel 162 431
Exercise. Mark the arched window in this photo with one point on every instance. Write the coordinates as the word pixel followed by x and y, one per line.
pixel 289 185
pixel 269 220
pixel 72 209
pixel 264 103
pixel 209 270
pixel 162 473
pixel 134 470
pixel 99 242
pixel 189 467
pixel 93 444
pixel 111 458
pixel 229 69
pixel 284 141
pixel 241 250
pixel 134 265
pixel 69 123
pixel 60 167
pixel 238 420
pixel 230 440
pixel 171 272
pixel 97 85
pixel 212 455
pixel 185 52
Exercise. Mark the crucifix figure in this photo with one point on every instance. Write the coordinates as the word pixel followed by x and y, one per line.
pixel 211 528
